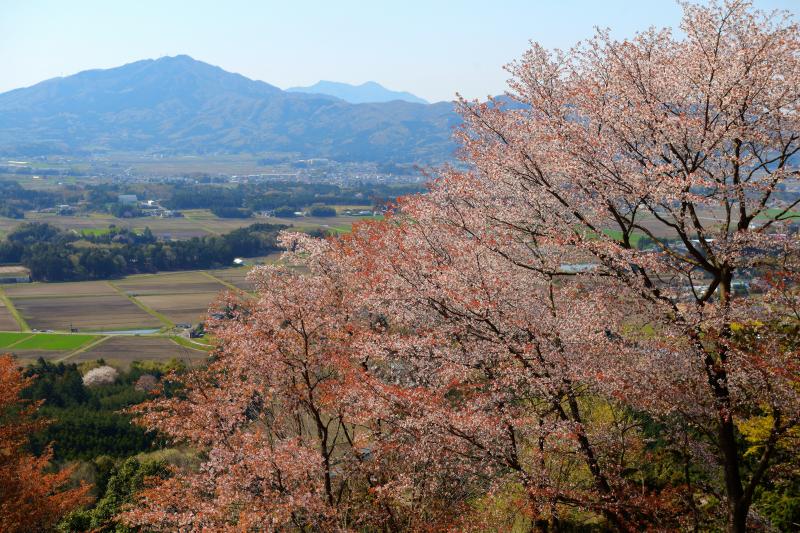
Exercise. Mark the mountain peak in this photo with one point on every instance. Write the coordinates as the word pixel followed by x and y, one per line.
pixel 177 104
pixel 367 92
pixel 183 60
pixel 179 57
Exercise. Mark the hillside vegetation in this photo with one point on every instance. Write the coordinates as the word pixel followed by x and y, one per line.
pixel 180 105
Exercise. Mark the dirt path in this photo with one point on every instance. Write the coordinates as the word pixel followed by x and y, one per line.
pixel 83 349
pixel 15 314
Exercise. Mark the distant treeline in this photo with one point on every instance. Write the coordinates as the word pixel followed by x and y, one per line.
pixel 224 199
pixel 15 200
pixel 53 254
pixel 282 194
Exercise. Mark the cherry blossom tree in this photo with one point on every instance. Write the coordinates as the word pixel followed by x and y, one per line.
pixel 688 142
pixel 607 292
pixel 279 452
pixel 104 375
pixel 283 417
pixel 487 362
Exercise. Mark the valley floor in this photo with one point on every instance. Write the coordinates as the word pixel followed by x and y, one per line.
pixel 140 317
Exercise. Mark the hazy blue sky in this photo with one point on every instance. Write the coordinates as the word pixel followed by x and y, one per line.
pixel 431 48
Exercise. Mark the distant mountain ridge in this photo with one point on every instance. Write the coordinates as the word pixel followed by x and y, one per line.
pixel 368 92
pixel 181 105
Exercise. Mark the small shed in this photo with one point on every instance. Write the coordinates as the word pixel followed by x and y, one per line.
pixel 14 274
pixel 127 199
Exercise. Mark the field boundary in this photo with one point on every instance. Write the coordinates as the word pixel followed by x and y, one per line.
pixel 85 347
pixel 15 314
pixel 227 284
pixel 168 324
pixel 18 341
pixel 62 296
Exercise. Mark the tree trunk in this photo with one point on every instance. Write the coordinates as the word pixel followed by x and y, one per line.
pixel 737 520
pixel 738 507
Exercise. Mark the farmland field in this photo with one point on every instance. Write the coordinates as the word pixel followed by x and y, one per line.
pixel 179 296
pixel 116 349
pixel 181 307
pixel 59 290
pixel 169 283
pixel 93 313
pixel 7 322
pixel 144 301
pixel 235 276
pixel 194 223
pixel 30 346
pixel 29 356
pixel 61 342
pixel 176 228
pixel 122 350
pixel 9 338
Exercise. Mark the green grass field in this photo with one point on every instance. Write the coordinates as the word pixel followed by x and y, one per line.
pixel 48 341
pixel 195 344
pixel 773 212
pixel 7 338
pixel 617 235
pixel 95 232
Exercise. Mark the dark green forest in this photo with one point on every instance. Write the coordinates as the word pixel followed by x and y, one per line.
pixel 89 429
pixel 53 254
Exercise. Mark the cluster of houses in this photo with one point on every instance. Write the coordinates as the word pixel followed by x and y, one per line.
pixel 61 210
pixel 149 207
pixel 347 212
pixel 746 280
pixel 359 212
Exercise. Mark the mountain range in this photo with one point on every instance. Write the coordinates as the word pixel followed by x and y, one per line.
pixel 369 92
pixel 178 105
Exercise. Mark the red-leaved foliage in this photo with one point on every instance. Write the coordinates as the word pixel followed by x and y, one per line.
pixel 31 499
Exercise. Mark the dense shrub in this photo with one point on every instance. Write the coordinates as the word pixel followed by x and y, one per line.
pixel 322 211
